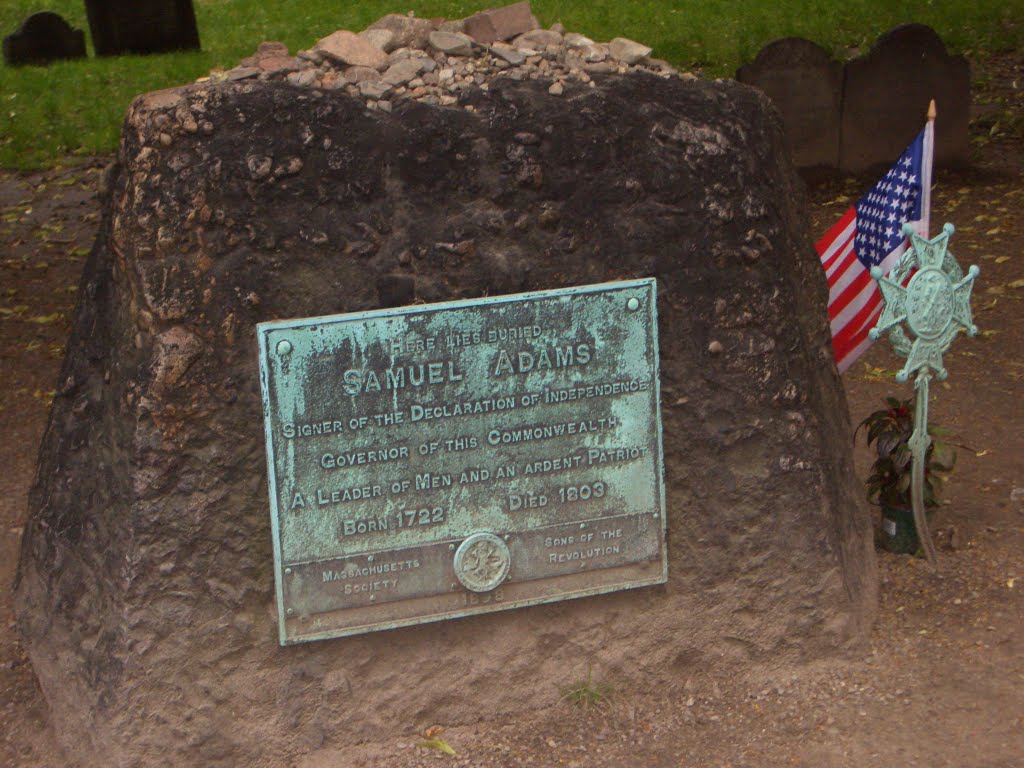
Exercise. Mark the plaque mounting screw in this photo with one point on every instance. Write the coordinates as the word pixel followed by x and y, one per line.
pixel 451 548
pixel 284 347
pixel 373 598
pixel 633 304
pixel 582 526
pixel 507 537
pixel 369 559
pixel 288 571
pixel 290 611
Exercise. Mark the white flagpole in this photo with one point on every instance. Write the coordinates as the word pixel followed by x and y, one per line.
pixel 923 224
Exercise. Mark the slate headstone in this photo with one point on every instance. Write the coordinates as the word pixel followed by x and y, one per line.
pixel 142 26
pixel 42 38
pixel 806 85
pixel 886 95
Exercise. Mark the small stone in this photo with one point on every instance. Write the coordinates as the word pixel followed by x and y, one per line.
pixel 384 106
pixel 271 48
pixel 312 56
pixel 452 25
pixel 452 43
pixel 278 64
pixel 259 166
pixel 662 66
pixel 627 51
pixel 715 348
pixel 576 40
pixel 537 39
pixel 508 54
pixel 360 74
pixel 594 53
pixel 303 79
pixel 242 73
pixel 348 48
pixel 385 39
pixel 165 139
pixel 500 23
pixel 402 72
pixel 374 89
pixel 409 31
pixel 556 89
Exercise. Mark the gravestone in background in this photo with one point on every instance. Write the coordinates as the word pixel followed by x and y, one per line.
pixel 886 95
pixel 806 85
pixel 142 26
pixel 145 590
pixel 42 38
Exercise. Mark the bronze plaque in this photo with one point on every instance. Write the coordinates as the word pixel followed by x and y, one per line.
pixel 435 461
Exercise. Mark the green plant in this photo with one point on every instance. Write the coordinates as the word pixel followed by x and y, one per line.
pixel 889 429
pixel 588 692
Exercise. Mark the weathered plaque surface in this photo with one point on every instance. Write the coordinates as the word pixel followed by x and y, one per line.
pixel 436 461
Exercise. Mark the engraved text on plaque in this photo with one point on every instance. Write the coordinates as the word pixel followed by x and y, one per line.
pixel 435 461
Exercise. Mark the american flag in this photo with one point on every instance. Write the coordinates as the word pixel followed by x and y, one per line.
pixel 870 234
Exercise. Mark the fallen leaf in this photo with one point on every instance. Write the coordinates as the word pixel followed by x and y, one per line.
pixel 440 745
pixel 979 454
pixel 1002 259
pixel 46 319
pixel 1016 284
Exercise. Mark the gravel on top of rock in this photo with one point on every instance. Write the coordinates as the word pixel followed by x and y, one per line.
pixel 436 60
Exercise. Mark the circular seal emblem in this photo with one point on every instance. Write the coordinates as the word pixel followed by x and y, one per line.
pixel 929 303
pixel 482 562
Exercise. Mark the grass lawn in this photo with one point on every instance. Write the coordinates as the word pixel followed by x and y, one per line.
pixel 53 114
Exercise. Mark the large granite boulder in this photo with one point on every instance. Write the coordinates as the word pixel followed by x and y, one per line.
pixel 145 589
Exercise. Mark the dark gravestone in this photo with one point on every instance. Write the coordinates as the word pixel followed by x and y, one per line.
pixel 806 85
pixel 145 590
pixel 886 95
pixel 42 38
pixel 142 26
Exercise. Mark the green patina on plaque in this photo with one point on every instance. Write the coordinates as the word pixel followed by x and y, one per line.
pixel 436 461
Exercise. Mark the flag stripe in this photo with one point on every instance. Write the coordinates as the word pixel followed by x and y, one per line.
pixel 841 260
pixel 841 231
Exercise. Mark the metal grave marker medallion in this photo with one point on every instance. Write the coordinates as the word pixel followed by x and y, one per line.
pixel 435 461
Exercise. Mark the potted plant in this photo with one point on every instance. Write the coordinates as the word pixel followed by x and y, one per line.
pixel 889 430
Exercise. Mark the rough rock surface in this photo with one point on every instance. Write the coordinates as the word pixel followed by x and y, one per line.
pixel 145 588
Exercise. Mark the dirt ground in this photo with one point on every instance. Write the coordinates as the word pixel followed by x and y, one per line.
pixel 940 680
